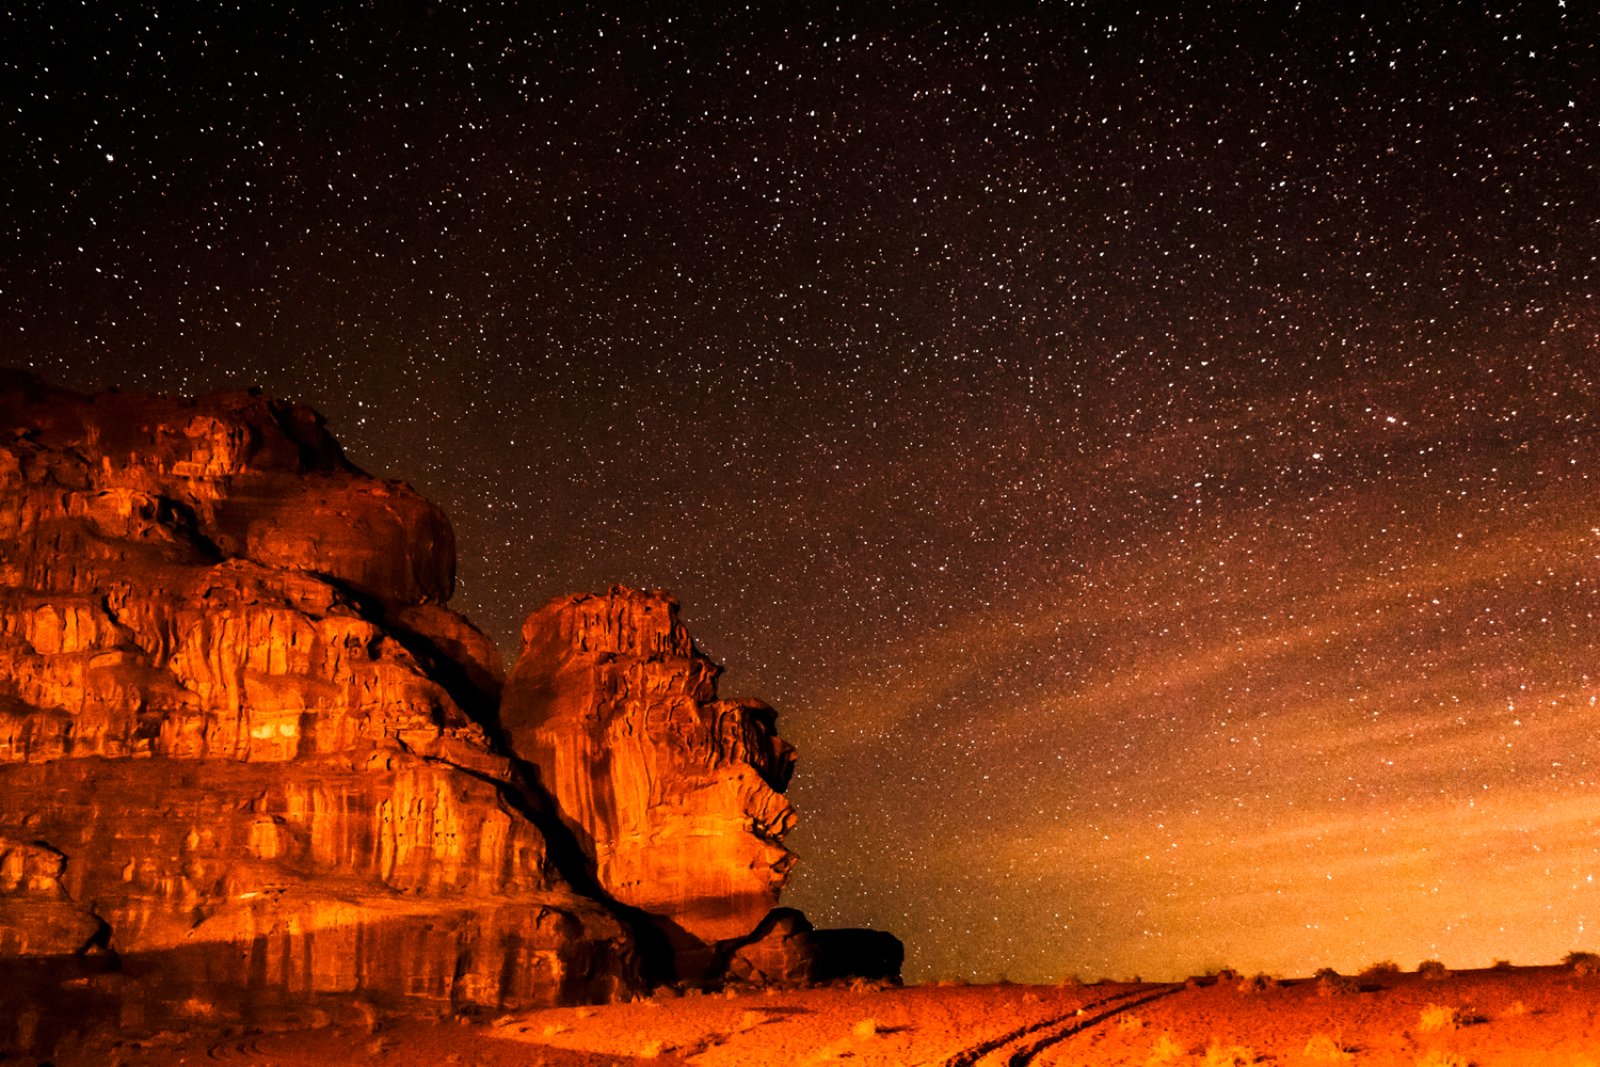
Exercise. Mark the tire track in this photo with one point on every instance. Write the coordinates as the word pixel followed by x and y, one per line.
pixel 1073 1021
pixel 1024 1055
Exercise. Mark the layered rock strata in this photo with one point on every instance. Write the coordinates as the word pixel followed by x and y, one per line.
pixel 675 795
pixel 240 732
pixel 250 760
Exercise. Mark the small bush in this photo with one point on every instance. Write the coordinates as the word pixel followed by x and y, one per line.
pixel 1583 962
pixel 1258 983
pixel 1440 1058
pixel 1334 984
pixel 1326 1049
pixel 1440 1017
pixel 1220 1055
pixel 865 1029
pixel 1433 970
pixel 1502 965
pixel 1166 1050
pixel 1070 981
pixel 1385 969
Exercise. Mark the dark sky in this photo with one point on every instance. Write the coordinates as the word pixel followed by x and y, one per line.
pixel 1147 457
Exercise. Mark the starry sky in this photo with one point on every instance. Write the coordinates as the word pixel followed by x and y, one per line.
pixel 1147 455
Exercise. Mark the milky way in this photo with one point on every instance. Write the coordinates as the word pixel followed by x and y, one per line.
pixel 1146 457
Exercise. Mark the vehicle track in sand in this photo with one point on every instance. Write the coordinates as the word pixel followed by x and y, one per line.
pixel 1018 1047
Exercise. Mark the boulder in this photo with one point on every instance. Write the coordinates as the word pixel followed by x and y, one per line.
pixel 786 950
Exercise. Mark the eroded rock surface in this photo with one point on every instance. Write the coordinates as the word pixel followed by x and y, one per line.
pixel 250 761
pixel 240 731
pixel 676 795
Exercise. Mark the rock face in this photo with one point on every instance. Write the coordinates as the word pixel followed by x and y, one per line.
pixel 674 795
pixel 250 761
pixel 239 733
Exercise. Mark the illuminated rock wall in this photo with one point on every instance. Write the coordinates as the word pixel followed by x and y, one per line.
pixel 238 727
pixel 675 795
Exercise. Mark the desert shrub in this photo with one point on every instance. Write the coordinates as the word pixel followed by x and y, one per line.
pixel 1334 984
pixel 1502 965
pixel 1583 962
pixel 1440 1017
pixel 864 1029
pixel 1384 969
pixel 1441 1058
pixel 1166 1050
pixel 1325 1049
pixel 1433 970
pixel 1226 974
pixel 1070 981
pixel 1220 1055
pixel 1258 983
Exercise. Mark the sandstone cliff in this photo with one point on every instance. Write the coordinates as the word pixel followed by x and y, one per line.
pixel 250 760
pixel 674 794
pixel 240 732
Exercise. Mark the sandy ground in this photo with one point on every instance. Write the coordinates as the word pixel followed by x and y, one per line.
pixel 1527 1017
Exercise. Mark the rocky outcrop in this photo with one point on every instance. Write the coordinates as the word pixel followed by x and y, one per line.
pixel 239 730
pixel 675 795
pixel 249 759
pixel 786 950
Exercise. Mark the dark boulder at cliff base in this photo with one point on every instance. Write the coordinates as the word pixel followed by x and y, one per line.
pixel 786 950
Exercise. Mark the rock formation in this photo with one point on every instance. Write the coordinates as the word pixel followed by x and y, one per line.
pixel 249 758
pixel 675 795
pixel 237 725
pixel 786 950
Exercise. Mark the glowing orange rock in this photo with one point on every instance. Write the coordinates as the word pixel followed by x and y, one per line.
pixel 240 733
pixel 675 795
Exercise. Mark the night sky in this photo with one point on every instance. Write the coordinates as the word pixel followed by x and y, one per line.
pixel 1148 458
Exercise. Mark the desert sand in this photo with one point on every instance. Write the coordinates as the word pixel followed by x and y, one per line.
pixel 1521 1017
